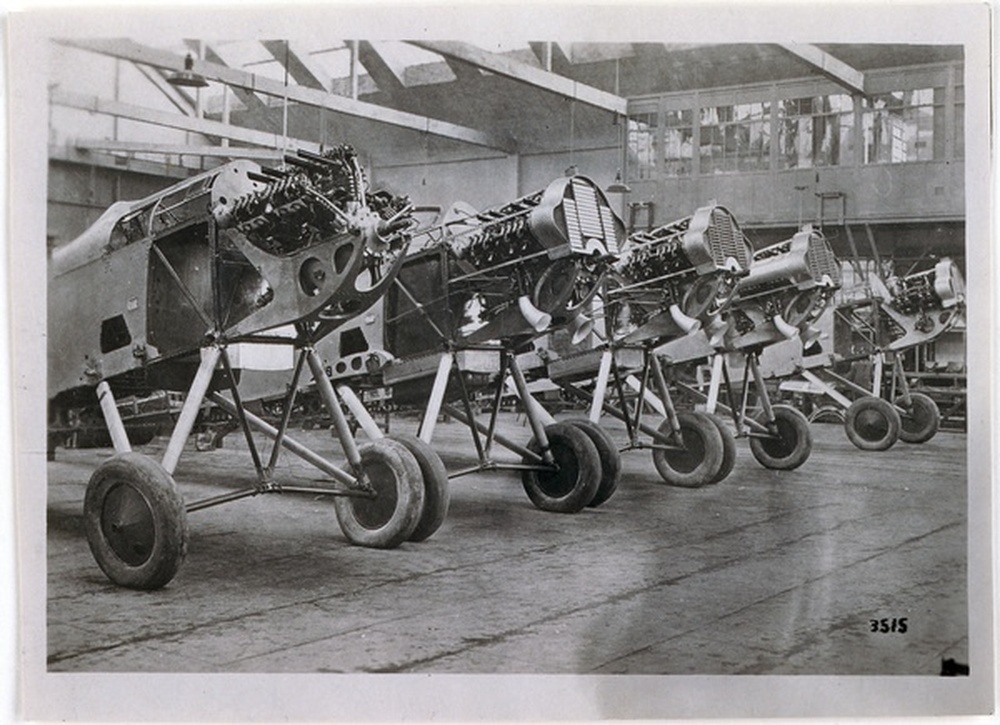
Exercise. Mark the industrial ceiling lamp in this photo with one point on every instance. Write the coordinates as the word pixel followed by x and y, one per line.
pixel 617 187
pixel 187 78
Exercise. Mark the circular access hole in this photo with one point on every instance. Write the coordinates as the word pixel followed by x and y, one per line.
pixel 312 276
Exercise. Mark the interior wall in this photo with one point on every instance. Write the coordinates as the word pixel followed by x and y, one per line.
pixel 479 182
pixel 486 182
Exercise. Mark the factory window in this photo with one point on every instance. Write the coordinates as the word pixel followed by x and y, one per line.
pixel 904 126
pixel 642 143
pixel 816 131
pixel 678 143
pixel 735 138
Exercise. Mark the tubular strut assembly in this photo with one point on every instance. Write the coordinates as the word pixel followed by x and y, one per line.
pixel 355 484
pixel 609 370
pixel 485 435
pixel 745 425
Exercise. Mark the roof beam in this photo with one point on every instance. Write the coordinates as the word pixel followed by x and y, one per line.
pixel 552 56
pixel 298 63
pixel 143 147
pixel 130 50
pixel 177 96
pixel 257 108
pixel 72 155
pixel 387 80
pixel 172 120
pixel 525 73
pixel 838 70
pixel 180 100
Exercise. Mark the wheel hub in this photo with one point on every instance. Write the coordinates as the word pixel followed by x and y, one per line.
pixel 872 425
pixel 128 524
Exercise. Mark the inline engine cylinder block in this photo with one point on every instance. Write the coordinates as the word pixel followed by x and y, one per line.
pixel 680 275
pixel 527 266
pixel 789 286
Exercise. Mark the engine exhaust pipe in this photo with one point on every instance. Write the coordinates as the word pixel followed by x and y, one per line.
pixel 785 328
pixel 690 325
pixel 717 329
pixel 538 320
pixel 810 335
pixel 581 326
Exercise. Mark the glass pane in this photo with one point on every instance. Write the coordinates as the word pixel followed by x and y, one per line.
pixel 735 138
pixel 904 126
pixel 711 150
pixel 816 131
pixel 757 155
pixel 796 142
pixel 678 151
pixel 642 142
pixel 678 118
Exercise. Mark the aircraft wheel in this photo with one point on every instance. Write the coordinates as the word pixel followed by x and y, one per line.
pixel 728 449
pixel 436 491
pixel 791 443
pixel 389 519
pixel 135 521
pixel 607 452
pixel 702 457
pixel 575 481
pixel 921 422
pixel 872 424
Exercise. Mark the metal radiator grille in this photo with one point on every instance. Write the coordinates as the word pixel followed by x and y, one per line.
pixel 588 217
pixel 726 240
pixel 821 260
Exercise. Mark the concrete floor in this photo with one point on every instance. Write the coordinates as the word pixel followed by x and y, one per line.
pixel 766 572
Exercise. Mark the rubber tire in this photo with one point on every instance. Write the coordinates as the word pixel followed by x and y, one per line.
pixel 922 423
pixel 437 496
pixel 575 485
pixel 366 522
pixel 675 467
pixel 161 550
pixel 728 449
pixel 794 445
pixel 607 452
pixel 872 411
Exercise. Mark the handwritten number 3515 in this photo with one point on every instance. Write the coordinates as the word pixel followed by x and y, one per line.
pixel 897 625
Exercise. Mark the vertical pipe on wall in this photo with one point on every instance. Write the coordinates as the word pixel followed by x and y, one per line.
pixel 949 114
pixel 198 107
pixel 117 94
pixel 225 113
pixel 284 108
pixel 354 69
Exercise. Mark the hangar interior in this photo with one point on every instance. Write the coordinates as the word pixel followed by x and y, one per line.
pixel 767 571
